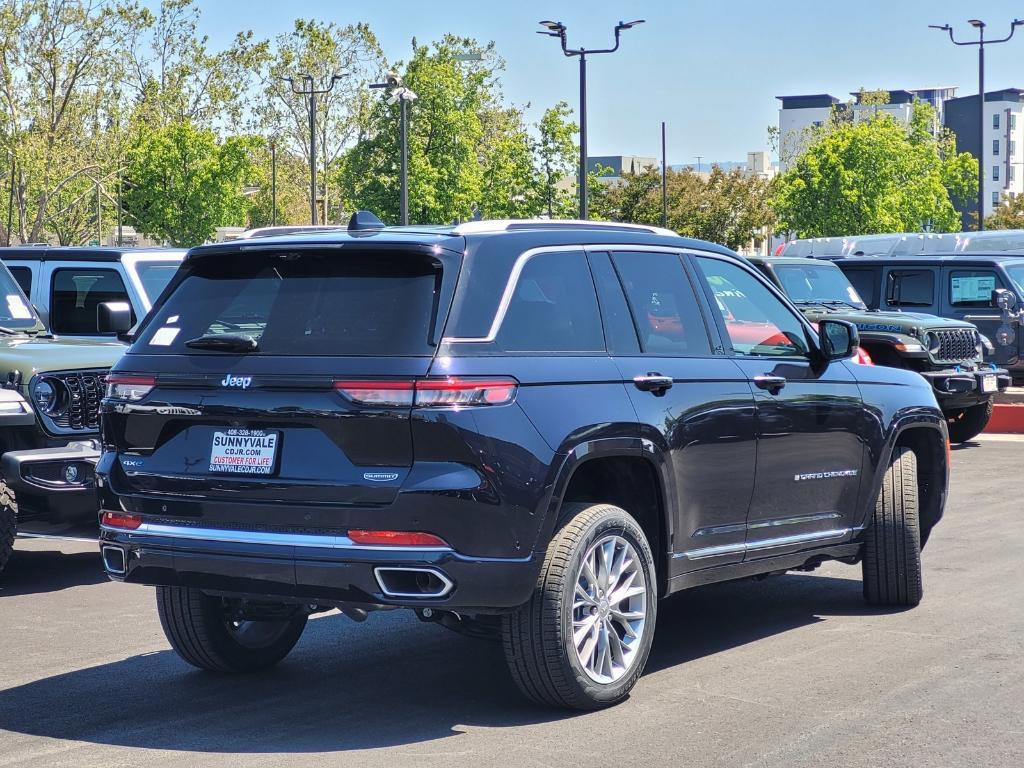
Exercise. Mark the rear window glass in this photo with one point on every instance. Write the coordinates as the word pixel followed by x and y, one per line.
pixel 910 288
pixel 303 303
pixel 76 297
pixel 24 277
pixel 154 276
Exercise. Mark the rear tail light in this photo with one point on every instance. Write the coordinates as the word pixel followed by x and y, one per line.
pixel 392 393
pixel 131 388
pixel 121 520
pixel 396 539
pixel 430 393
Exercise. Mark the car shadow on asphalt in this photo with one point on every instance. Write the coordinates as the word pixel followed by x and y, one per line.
pixel 390 681
pixel 964 446
pixel 30 572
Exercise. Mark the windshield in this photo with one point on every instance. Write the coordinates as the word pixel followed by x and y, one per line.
pixel 301 303
pixel 15 310
pixel 1016 273
pixel 817 284
pixel 154 276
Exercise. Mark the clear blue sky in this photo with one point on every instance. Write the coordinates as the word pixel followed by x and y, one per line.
pixel 710 68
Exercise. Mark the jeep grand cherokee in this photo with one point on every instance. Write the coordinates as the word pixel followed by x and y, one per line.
pixel 533 429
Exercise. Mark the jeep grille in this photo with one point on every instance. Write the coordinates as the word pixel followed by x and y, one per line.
pixel 956 345
pixel 85 390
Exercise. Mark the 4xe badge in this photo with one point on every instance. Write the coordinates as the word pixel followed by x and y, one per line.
pixel 241 382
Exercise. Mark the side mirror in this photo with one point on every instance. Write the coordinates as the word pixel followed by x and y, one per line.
pixel 113 317
pixel 1004 299
pixel 837 339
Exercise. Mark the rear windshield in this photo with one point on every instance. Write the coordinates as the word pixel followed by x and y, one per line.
pixel 303 303
pixel 807 283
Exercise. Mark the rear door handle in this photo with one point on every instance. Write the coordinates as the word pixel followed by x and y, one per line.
pixel 653 382
pixel 773 384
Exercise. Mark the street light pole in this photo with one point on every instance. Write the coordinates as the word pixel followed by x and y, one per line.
pixel 559 30
pixel 664 179
pixel 273 182
pixel 403 95
pixel 981 42
pixel 310 92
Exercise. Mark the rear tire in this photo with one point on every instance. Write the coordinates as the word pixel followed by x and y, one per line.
pixel 201 633
pixel 967 424
pixel 892 546
pixel 8 523
pixel 582 640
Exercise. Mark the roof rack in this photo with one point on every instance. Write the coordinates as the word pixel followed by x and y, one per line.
pixel 506 225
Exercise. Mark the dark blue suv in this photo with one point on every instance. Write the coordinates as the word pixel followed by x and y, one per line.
pixel 528 430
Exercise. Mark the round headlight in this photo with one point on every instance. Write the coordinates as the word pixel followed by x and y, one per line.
pixel 933 342
pixel 48 396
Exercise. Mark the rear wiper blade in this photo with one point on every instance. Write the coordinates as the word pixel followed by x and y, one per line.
pixel 225 342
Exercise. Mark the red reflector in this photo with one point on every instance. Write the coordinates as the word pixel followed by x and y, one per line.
pixel 377 392
pixel 396 538
pixel 142 381
pixel 121 520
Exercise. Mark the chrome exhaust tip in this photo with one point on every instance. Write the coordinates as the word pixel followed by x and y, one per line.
pixel 399 581
pixel 114 560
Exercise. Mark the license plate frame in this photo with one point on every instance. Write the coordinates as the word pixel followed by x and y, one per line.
pixel 989 383
pixel 245 452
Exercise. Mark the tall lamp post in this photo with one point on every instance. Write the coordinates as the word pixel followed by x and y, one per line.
pixel 981 42
pixel 558 29
pixel 403 95
pixel 309 91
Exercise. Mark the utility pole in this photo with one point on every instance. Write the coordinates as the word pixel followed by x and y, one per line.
pixel 981 42
pixel 664 179
pixel 10 198
pixel 120 213
pixel 309 91
pixel 403 95
pixel 559 30
pixel 273 182
pixel 699 158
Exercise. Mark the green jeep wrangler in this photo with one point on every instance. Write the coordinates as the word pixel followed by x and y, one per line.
pixel 50 391
pixel 948 353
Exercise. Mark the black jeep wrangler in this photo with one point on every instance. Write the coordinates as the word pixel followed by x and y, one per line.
pixel 529 429
pixel 948 352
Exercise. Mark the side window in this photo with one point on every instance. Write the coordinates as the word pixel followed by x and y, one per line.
pixel 23 276
pixel 972 287
pixel 864 280
pixel 554 307
pixel 77 293
pixel 665 311
pixel 758 323
pixel 910 288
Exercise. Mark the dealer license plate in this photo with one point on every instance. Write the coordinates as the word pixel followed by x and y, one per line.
pixel 988 383
pixel 244 451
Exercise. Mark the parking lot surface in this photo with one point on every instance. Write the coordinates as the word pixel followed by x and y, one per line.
pixel 791 671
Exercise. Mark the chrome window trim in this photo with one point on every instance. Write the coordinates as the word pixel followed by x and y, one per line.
pixel 520 264
pixel 504 225
pixel 262 538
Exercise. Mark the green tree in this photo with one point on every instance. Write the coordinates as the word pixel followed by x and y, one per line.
pixel 1008 215
pixel 875 175
pixel 555 156
pixel 184 183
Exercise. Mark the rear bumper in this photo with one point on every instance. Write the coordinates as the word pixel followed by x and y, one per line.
pixel 961 389
pixel 55 485
pixel 277 568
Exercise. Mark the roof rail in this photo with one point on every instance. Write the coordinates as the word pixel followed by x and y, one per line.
pixel 505 225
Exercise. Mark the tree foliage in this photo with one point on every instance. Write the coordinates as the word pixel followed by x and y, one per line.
pixel 727 207
pixel 185 184
pixel 875 175
pixel 1008 215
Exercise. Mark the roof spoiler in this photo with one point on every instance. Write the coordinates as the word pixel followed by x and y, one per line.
pixel 364 221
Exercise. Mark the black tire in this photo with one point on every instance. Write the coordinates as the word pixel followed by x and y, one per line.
pixel 198 629
pixel 538 637
pixel 892 546
pixel 8 523
pixel 968 423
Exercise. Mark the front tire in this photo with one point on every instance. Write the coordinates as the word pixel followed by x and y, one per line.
pixel 201 632
pixel 892 547
pixel 582 640
pixel 8 523
pixel 968 423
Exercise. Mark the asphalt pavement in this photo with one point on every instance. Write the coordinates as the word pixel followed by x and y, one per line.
pixel 790 671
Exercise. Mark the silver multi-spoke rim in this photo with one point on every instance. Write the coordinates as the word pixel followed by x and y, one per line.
pixel 609 610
